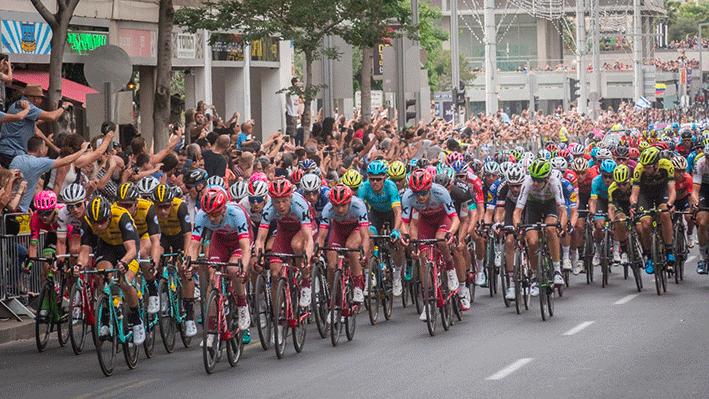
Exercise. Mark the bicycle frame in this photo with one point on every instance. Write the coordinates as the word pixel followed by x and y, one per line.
pixel 110 284
pixel 171 274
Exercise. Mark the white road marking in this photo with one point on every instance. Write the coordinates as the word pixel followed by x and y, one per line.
pixel 625 299
pixel 578 328
pixel 510 369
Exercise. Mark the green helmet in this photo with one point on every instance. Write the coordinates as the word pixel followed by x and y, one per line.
pixel 540 169
pixel 621 174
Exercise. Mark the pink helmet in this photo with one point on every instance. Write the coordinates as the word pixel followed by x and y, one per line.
pixel 452 157
pixel 259 176
pixel 45 200
pixel 432 170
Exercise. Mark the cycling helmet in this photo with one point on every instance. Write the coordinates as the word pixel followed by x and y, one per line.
pixel 258 188
pixel 314 171
pixel 452 157
pixel 643 145
pixel 604 153
pixel 650 156
pixel 516 154
pixel 177 191
pixel 162 194
pixel 544 154
pixel 468 156
pixel 376 168
pixel 397 170
pixel 147 184
pixel 667 154
pixel 340 194
pixel 563 146
pixel 460 167
pixel 443 179
pixel 551 147
pixel 98 210
pixel 352 179
pixel 564 153
pixel 239 190
pixel 73 193
pixel 45 200
pixel 422 163
pixel 259 176
pixel 488 158
pixel 308 164
pixel 634 153
pixel 432 170
pixel 411 166
pixel 296 176
pixel 280 188
pixel 679 162
pixel 447 171
pixel 686 134
pixel 502 157
pixel 579 165
pixel 420 180
pixel 559 163
pixel 310 182
pixel 661 145
pixel 504 167
pixel 491 168
pixel 128 192
pixel 577 150
pixel 515 175
pixel 594 152
pixel 608 166
pixel 540 169
pixel 195 177
pixel 622 151
pixel 621 174
pixel 526 163
pixel 477 166
pixel 214 200
pixel 216 181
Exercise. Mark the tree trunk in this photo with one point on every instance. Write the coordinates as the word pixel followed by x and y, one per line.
pixel 161 111
pixel 56 57
pixel 366 84
pixel 307 98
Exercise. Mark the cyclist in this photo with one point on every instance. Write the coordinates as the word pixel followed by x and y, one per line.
pixel 108 231
pixel 397 174
pixel 255 200
pixel 598 205
pixel 44 220
pixel 352 179
pixel 69 218
pixel 384 204
pixel 146 222
pixel 683 188
pixel 146 186
pixel 230 242
pixel 700 202
pixel 571 201
pixel 654 187
pixel 345 220
pixel 294 233
pixel 547 205
pixel 505 202
pixel 176 230
pixel 194 181
pixel 438 219
pixel 238 191
pixel 618 207
pixel 312 189
pixel 491 172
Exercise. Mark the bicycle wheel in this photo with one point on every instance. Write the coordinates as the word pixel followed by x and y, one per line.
pixel 634 261
pixel 605 259
pixel 504 284
pixel 235 343
pixel 335 315
pixel 281 319
pixel 387 297
pixel 350 311
pixel 43 320
pixel 429 298
pixel 211 336
pixel 372 299
pixel 656 262
pixel 107 343
pixel 130 349
pixel 417 293
pixel 679 249
pixel 78 324
pixel 165 321
pixel 542 285
pixel 149 322
pixel 490 266
pixel 182 312
pixel 262 310
pixel 321 301
pixel 446 311
pixel 63 315
pixel 299 329
pixel 588 254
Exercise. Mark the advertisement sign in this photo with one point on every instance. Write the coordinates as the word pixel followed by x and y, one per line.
pixel 379 61
pixel 265 50
pixel 227 47
pixel 186 45
pixel 83 42
pixel 26 37
pixel 138 42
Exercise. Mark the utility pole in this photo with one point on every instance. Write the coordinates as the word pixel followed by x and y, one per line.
pixel 596 80
pixel 581 50
pixel 420 109
pixel 455 59
pixel 638 83
pixel 490 58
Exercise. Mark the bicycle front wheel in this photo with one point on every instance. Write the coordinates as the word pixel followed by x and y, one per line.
pixel 335 315
pixel 321 302
pixel 130 349
pixel 211 337
pixel 372 299
pixel 351 314
pixel 446 310
pixel 165 320
pixel 429 298
pixel 588 254
pixel 77 324
pixel 262 310
pixel 235 343
pixel 656 262
pixel 299 329
pixel 63 315
pixel 105 333
pixel 281 320
pixel 542 283
pixel 43 320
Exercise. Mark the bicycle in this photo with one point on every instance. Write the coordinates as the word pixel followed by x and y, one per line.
pixel 171 316
pixel 53 309
pixel 505 278
pixel 657 247
pixel 220 317
pixel 635 260
pixel 263 308
pixel 411 283
pixel 81 300
pixel 605 249
pixel 490 263
pixel 522 276
pixel 288 313
pixel 545 271
pixel 109 312
pixel 342 305
pixel 149 320
pixel 381 279
pixel 588 246
pixel 680 248
pixel 435 287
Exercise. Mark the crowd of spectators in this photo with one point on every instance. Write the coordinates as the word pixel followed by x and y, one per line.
pixel 690 42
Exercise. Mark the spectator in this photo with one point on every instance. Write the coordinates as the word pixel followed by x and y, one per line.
pixel 5 78
pixel 292 103
pixel 215 158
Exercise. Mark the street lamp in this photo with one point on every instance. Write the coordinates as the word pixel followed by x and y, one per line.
pixel 701 74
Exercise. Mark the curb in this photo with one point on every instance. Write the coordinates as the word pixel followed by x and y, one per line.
pixel 18 331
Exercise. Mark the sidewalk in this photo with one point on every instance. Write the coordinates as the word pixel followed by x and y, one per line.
pixel 13 330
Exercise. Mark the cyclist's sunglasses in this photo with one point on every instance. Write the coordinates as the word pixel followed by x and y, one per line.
pixel 127 205
pixel 45 213
pixel 539 180
pixel 311 193
pixel 621 159
pixel 102 221
pixel 377 179
pixel 163 207
pixel 606 176
pixel 74 206
pixel 461 176
pixel 214 214
pixel 421 193
pixel 258 200
pixel 625 183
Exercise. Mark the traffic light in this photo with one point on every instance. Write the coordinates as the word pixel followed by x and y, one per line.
pixel 574 87
pixel 459 94
pixel 410 114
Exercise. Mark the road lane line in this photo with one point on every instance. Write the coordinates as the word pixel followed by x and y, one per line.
pixel 578 328
pixel 112 387
pixel 625 299
pixel 126 388
pixel 510 369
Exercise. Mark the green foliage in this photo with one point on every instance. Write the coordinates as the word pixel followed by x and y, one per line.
pixel 683 18
pixel 440 70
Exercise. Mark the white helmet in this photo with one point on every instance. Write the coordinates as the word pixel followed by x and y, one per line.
pixel 147 184
pixel 73 193
pixel 515 174
pixel 216 181
pixel 258 188
pixel 239 190
pixel 559 163
pixel 310 182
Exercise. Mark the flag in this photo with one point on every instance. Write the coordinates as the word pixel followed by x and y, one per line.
pixel 660 89
pixel 643 103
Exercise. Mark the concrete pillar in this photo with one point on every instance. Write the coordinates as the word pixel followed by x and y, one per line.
pixel 542 42
pixel 218 90
pixel 285 75
pixel 233 83
pixel 270 102
pixel 255 106
pixel 146 93
pixel 190 101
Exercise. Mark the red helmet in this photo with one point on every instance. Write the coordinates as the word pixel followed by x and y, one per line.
pixel 661 145
pixel 281 188
pixel 340 194
pixel 634 153
pixel 296 176
pixel 214 200
pixel 563 153
pixel 420 180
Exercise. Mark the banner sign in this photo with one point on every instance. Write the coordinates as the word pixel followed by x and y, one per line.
pixel 227 47
pixel 83 42
pixel 186 46
pixel 138 42
pixel 26 37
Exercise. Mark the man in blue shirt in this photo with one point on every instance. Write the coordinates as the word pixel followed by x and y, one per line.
pixel 8 118
pixel 15 135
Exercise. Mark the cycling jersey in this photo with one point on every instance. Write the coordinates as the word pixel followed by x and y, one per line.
pixel 383 201
pixel 68 224
pixel 503 194
pixel 476 187
pixel 36 225
pixel 490 193
pixel 298 214
pixel 692 159
pixel 323 199
pixel 587 182
pixel 119 230
pixel 253 215
pixel 570 197
pixel 683 186
pixel 665 174
pixel 178 221
pixel 439 202
pixel 701 171
pixel 356 216
pixel 146 219
pixel 617 197
pixel 570 175
pixel 551 191
pixel 462 199
pixel 235 222
pixel 599 188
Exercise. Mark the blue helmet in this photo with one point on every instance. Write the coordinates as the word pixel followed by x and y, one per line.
pixel 376 168
pixel 307 164
pixel 594 151
pixel 608 166
pixel 460 167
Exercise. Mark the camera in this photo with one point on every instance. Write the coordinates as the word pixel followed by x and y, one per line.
pixel 135 169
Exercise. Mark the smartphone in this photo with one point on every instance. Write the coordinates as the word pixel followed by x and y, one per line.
pixel 287 139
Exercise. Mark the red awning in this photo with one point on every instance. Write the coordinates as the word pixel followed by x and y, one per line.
pixel 70 89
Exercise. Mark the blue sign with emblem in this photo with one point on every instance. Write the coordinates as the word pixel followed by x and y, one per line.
pixel 26 37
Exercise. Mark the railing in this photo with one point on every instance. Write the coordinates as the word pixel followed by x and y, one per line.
pixel 15 284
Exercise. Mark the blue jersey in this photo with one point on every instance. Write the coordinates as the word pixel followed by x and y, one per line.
pixel 356 215
pixel 690 161
pixel 599 189
pixel 235 222
pixel 570 194
pixel 297 215
pixel 383 201
pixel 491 197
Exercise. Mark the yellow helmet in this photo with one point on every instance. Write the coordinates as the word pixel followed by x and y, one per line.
pixel 397 170
pixel 352 179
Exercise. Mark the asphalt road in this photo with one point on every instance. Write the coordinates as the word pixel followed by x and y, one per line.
pixel 601 343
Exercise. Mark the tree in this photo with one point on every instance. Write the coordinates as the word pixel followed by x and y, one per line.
pixel 161 111
pixel 304 23
pixel 59 22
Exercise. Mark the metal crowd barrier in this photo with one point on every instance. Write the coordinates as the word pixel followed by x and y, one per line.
pixel 15 285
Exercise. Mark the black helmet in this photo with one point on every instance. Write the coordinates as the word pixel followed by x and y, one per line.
pixel 162 194
pixel 99 209
pixel 127 192
pixel 195 177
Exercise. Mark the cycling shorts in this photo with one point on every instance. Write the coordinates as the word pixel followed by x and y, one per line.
pixel 339 233
pixel 583 201
pixel 652 197
pixel 172 244
pixel 538 211
pixel 112 254
pixel 601 206
pixel 224 247
pixel 682 204
pixel 704 196
pixel 428 226
pixel 378 219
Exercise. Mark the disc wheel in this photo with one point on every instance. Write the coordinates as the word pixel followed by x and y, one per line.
pixel 211 337
pixel 262 310
pixel 78 325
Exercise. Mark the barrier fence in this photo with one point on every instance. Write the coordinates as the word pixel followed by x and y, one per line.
pixel 16 286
